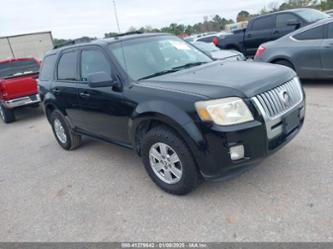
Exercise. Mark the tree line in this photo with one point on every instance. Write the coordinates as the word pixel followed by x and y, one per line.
pixel 218 23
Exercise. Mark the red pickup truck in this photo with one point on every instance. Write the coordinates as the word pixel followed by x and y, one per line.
pixel 18 86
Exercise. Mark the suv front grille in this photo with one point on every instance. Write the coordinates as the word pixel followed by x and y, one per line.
pixel 281 99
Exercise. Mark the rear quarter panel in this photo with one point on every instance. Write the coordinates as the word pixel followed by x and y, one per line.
pixel 304 55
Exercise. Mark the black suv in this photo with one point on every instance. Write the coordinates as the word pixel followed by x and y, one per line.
pixel 187 116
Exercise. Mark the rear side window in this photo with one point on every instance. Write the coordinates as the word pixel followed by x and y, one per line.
pixel 282 20
pixel 93 61
pixel 330 31
pixel 312 34
pixel 47 69
pixel 263 23
pixel 67 66
pixel 18 68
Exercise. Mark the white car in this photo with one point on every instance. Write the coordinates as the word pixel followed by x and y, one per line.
pixel 219 54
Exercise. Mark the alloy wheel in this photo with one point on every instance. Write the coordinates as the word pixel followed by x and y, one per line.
pixel 165 163
pixel 2 115
pixel 60 131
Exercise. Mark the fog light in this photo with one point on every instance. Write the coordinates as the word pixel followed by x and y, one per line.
pixel 237 152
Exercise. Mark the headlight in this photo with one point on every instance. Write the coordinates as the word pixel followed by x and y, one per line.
pixel 226 111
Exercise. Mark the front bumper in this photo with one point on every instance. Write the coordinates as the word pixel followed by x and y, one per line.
pixel 22 101
pixel 260 139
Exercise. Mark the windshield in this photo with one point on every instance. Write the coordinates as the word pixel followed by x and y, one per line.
pixel 149 57
pixel 18 68
pixel 312 15
pixel 206 47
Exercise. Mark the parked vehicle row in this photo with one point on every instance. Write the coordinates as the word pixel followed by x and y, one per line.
pixel 189 117
pixel 309 51
pixel 18 86
pixel 206 37
pixel 269 27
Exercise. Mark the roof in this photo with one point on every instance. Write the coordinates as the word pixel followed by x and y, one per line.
pixel 107 41
pixel 27 34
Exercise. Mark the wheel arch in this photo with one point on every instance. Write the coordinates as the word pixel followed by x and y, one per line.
pixel 154 113
pixel 282 58
pixel 49 107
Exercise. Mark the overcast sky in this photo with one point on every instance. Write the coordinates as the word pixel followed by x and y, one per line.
pixel 76 18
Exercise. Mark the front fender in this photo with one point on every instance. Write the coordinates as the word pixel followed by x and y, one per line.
pixel 172 116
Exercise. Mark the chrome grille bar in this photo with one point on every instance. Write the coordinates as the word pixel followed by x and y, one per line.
pixel 281 99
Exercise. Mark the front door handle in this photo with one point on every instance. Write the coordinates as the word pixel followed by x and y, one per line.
pixel 84 95
pixel 276 32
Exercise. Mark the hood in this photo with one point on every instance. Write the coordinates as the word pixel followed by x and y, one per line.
pixel 221 79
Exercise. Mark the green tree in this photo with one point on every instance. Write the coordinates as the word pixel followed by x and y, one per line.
pixel 243 16
pixel 326 5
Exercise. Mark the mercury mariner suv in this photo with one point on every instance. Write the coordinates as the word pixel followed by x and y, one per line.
pixel 189 117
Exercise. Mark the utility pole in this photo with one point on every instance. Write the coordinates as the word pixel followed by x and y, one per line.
pixel 116 15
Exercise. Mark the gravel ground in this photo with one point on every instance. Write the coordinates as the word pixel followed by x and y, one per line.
pixel 101 192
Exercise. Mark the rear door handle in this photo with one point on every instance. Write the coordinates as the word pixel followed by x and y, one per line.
pixel 84 95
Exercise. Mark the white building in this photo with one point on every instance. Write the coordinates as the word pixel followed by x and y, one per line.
pixel 26 45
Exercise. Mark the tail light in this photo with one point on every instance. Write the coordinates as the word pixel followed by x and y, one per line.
pixel 216 41
pixel 3 92
pixel 261 50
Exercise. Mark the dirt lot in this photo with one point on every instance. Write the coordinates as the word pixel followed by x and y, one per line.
pixel 101 192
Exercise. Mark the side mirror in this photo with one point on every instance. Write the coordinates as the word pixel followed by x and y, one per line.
pixel 100 79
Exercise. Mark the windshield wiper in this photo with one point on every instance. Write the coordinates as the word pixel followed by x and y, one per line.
pixel 173 70
pixel 188 65
pixel 159 73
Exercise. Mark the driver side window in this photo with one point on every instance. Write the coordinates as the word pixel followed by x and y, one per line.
pixel 93 61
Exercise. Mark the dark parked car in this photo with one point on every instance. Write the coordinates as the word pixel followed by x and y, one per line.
pixel 267 28
pixel 187 116
pixel 219 54
pixel 309 51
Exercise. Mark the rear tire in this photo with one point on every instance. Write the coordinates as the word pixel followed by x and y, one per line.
pixel 7 115
pixel 174 171
pixel 63 133
pixel 285 63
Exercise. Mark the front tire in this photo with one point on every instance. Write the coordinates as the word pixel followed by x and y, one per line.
pixel 169 162
pixel 7 115
pixel 63 133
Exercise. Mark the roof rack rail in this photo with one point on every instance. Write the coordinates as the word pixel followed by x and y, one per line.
pixel 64 44
pixel 130 33
pixel 75 41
